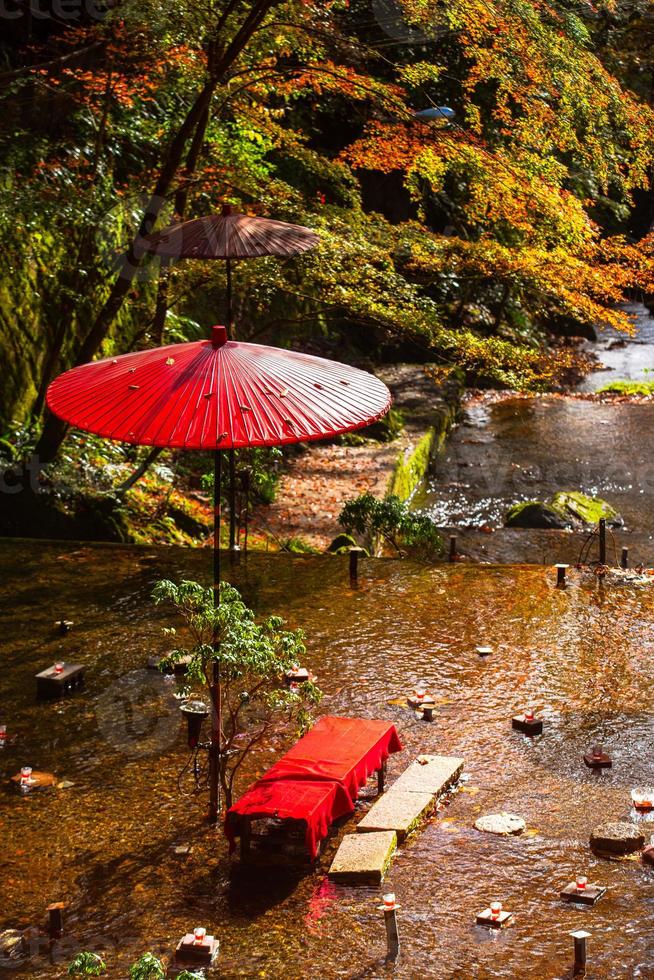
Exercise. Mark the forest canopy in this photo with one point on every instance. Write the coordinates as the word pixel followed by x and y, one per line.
pixel 520 205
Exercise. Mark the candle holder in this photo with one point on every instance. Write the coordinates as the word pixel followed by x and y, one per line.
pixel 192 951
pixel 195 713
pixel 527 723
pixel 494 916
pixel 597 758
pixel 419 699
pixel 297 675
pixel 582 892
pixel 28 780
pixel 59 679
pixel 642 799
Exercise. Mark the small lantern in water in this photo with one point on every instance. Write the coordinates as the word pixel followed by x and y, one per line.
pixel 642 799
pixel 495 908
pixel 529 714
pixel 25 778
pixel 419 694
pixel 389 900
pixel 59 667
pixel 294 687
pixel 3 734
pixel 581 881
pixel 199 933
pixel 597 751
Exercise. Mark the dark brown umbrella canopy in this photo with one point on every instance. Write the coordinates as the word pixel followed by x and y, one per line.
pixel 230 236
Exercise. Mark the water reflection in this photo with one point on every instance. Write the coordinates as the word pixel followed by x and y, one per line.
pixel 582 657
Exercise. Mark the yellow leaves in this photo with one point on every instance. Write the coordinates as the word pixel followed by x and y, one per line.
pixel 420 73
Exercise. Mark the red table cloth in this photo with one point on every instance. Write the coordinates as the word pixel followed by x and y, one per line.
pixel 319 778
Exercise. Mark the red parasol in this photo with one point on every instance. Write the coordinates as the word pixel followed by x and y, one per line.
pixel 217 394
pixel 229 236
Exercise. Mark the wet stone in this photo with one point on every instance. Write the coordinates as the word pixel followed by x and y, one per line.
pixel 364 857
pixel 397 810
pixel 617 837
pixel 502 824
pixel 430 774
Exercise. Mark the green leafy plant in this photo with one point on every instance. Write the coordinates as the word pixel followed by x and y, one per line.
pixel 147 967
pixel 392 521
pixel 86 965
pixel 252 658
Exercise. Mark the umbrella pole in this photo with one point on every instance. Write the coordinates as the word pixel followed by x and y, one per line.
pixel 232 458
pixel 216 720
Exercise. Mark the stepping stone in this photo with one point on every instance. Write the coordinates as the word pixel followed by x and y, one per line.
pixel 617 837
pixel 397 810
pixel 502 824
pixel 429 774
pixel 364 857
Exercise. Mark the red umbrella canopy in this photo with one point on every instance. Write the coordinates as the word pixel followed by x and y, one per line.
pixel 229 236
pixel 217 394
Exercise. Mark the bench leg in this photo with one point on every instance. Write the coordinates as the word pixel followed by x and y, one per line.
pixel 246 837
pixel 381 778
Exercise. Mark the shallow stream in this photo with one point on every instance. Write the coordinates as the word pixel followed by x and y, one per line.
pixel 506 450
pixel 582 657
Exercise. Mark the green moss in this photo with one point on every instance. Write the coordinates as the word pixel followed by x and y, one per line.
pixel 586 509
pixel 411 469
pixel 341 544
pixel 628 388
pixel 566 508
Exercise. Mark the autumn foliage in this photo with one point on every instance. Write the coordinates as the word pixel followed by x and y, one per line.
pixel 465 238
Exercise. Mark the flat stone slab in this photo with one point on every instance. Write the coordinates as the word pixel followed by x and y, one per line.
pixel 431 774
pixel 397 810
pixel 617 837
pixel 364 857
pixel 502 824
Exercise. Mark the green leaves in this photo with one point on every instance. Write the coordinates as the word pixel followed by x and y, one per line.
pixel 86 965
pixel 147 967
pixel 253 656
pixel 392 520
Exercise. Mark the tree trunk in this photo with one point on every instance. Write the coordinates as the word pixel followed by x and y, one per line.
pixel 221 61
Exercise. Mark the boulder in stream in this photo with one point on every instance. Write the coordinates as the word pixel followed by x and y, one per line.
pixel 566 509
pixel 536 514
pixel 502 824
pixel 587 510
pixel 617 837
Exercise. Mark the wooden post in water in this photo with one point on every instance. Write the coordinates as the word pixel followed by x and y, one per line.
pixel 355 554
pixel 624 558
pixel 56 920
pixel 602 541
pixel 452 547
pixel 392 934
pixel 580 938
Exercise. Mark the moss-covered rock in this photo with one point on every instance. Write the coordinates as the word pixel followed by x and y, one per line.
pixel 568 508
pixel 536 514
pixel 341 543
pixel 587 510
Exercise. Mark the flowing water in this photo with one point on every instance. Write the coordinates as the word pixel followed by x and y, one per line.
pixel 582 657
pixel 507 450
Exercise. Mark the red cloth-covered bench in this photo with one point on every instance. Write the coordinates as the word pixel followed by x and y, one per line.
pixel 318 780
